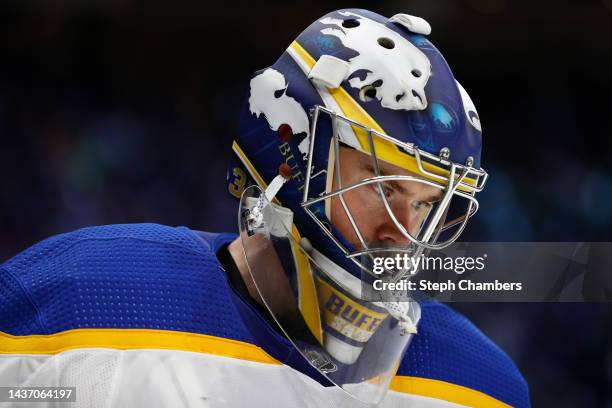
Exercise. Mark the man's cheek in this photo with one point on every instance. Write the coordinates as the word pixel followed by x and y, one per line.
pixel 339 217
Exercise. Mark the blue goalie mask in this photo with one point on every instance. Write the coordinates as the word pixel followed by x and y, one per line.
pixel 356 143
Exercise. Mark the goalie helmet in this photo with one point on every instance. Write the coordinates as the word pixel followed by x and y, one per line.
pixel 374 92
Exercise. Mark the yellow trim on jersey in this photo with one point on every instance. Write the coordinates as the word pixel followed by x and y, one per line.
pixel 441 390
pixel 128 339
pixel 309 306
pixel 385 150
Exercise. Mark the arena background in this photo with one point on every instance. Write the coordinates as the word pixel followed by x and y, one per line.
pixel 123 111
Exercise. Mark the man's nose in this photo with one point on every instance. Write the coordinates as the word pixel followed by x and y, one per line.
pixel 389 232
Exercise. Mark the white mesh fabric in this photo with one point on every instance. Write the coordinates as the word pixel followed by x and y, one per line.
pixel 93 372
pixel 169 378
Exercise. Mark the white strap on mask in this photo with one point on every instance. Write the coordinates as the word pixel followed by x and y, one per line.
pixel 414 24
pixel 329 71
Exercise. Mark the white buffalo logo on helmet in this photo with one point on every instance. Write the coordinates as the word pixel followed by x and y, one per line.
pixel 397 71
pixel 269 96
pixel 470 109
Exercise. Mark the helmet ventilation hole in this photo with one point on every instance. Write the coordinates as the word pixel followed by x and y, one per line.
pixel 350 23
pixel 416 73
pixel 386 43
pixel 367 93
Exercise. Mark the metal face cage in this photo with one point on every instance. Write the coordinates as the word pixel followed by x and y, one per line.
pixel 441 227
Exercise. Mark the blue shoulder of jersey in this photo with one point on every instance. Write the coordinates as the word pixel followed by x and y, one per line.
pixel 449 348
pixel 119 276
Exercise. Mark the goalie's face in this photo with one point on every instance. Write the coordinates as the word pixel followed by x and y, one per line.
pixel 410 201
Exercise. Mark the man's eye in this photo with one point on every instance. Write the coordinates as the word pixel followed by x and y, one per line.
pixel 417 205
pixel 387 190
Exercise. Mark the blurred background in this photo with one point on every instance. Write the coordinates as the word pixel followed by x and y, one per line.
pixel 118 111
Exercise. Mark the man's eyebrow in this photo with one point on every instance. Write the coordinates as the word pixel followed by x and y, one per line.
pixel 369 167
pixel 437 196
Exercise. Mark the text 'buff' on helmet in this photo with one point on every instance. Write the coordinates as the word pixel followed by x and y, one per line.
pixel 356 82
